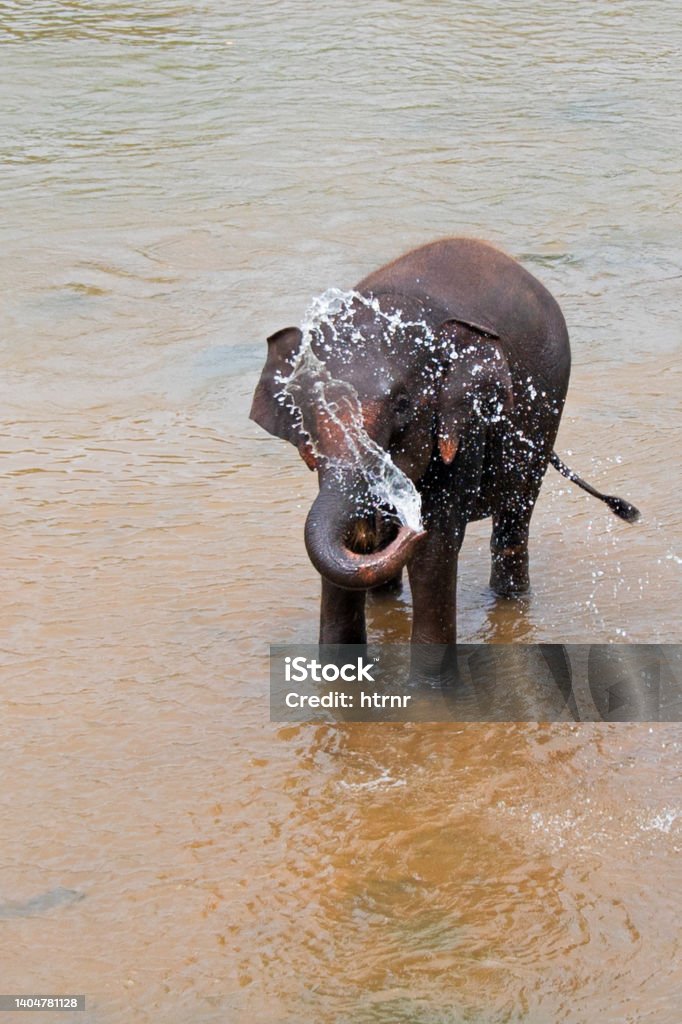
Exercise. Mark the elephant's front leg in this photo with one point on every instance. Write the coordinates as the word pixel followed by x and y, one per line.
pixel 433 581
pixel 342 615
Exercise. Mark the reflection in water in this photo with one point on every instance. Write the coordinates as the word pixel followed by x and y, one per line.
pixel 41 904
pixel 178 180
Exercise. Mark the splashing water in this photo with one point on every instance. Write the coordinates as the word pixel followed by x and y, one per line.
pixel 310 378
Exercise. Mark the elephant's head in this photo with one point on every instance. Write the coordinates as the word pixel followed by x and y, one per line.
pixel 374 377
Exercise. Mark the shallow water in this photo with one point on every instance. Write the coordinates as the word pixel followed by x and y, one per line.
pixel 179 180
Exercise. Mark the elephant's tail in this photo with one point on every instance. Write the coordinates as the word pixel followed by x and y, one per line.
pixel 622 508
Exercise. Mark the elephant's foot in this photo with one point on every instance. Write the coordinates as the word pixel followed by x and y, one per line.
pixel 433 664
pixel 509 572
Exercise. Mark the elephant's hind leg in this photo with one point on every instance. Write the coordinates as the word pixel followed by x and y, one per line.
pixel 509 550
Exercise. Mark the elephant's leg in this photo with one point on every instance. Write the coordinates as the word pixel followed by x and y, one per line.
pixel 342 615
pixel 433 581
pixel 518 476
pixel 509 549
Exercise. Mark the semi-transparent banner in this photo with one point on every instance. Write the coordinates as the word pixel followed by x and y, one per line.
pixel 476 683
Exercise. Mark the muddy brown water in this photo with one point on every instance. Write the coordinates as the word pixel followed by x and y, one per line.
pixel 178 180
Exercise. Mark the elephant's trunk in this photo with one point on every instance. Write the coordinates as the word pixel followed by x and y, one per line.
pixel 331 523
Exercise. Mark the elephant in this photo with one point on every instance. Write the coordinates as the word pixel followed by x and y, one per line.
pixel 450 367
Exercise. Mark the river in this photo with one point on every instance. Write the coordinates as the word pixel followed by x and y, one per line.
pixel 179 179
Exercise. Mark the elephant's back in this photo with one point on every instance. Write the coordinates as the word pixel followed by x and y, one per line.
pixel 470 279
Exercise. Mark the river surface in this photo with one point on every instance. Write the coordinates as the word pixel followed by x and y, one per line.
pixel 178 179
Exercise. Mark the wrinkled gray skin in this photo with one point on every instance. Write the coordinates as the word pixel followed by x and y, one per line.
pixel 474 431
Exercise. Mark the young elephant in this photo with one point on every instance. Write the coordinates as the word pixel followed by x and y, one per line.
pixel 456 362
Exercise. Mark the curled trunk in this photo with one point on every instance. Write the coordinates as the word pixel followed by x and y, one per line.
pixel 331 523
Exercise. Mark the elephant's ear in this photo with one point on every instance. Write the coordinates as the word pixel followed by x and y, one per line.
pixel 479 327
pixel 476 386
pixel 268 408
